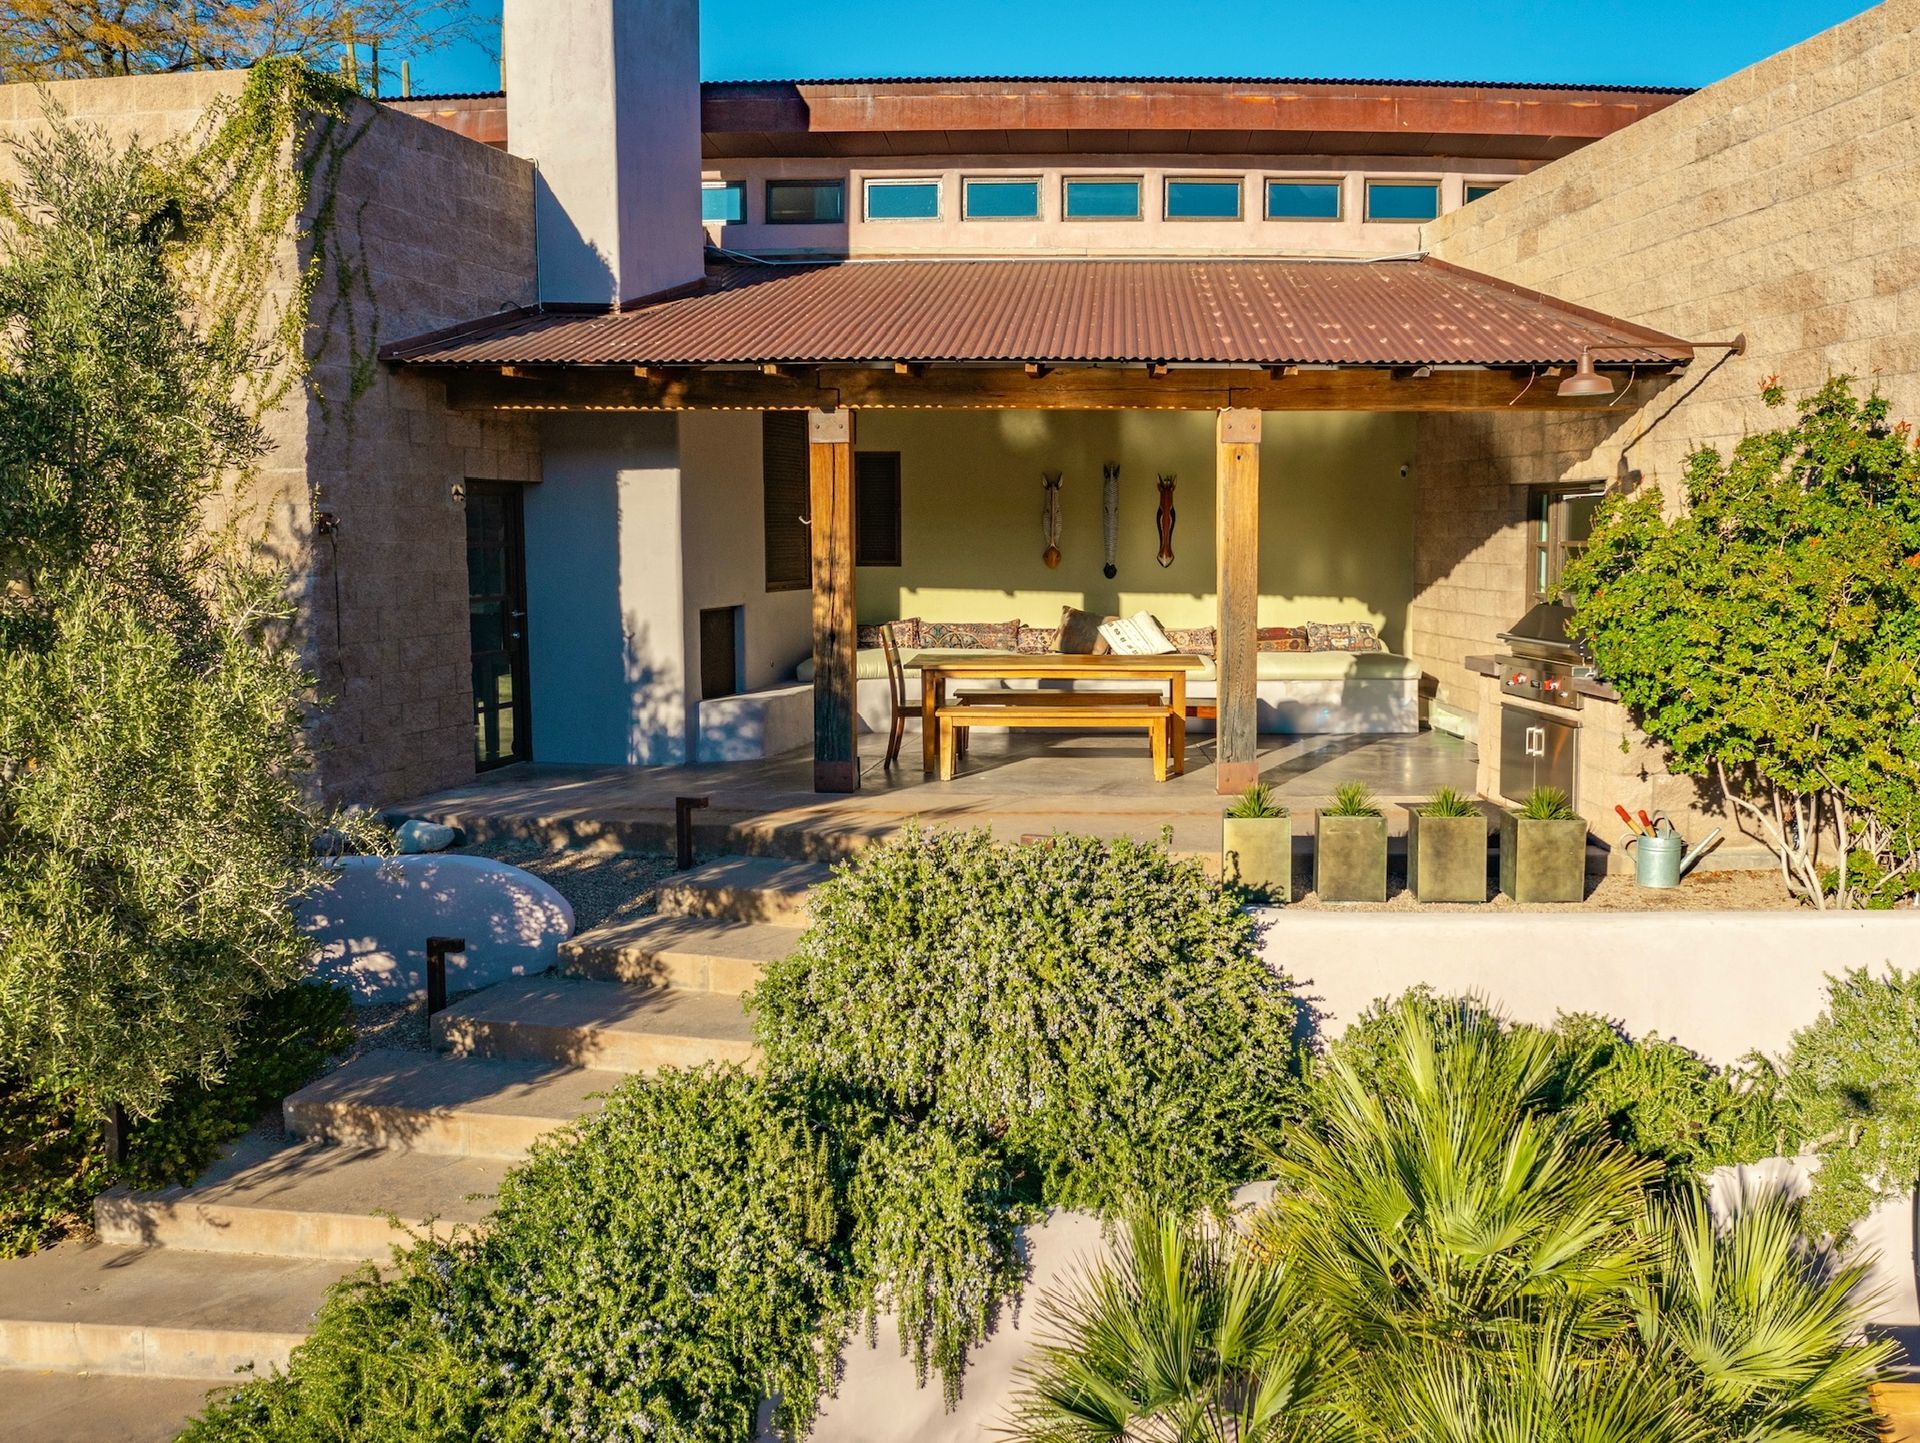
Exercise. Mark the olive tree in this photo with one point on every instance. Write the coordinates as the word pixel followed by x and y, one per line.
pixel 1768 636
pixel 154 825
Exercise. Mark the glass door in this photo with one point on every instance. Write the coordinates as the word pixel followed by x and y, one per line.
pixel 497 613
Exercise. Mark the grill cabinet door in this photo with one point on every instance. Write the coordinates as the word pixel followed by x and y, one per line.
pixel 1537 749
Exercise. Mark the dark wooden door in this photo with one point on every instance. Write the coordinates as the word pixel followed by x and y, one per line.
pixel 497 612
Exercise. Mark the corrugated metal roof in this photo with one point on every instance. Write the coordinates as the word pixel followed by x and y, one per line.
pixel 1406 312
pixel 1358 82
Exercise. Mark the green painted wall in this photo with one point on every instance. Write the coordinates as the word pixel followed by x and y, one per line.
pixel 1336 516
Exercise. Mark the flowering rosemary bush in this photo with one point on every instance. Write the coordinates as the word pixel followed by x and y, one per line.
pixel 654 1273
pixel 1098 1009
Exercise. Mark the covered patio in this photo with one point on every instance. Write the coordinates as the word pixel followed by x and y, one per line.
pixel 1239 340
pixel 1019 784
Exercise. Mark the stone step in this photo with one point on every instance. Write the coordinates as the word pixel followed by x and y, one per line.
pixel 156 1312
pixel 701 954
pixel 606 1026
pixel 305 1200
pixel 95 1408
pixel 446 1106
pixel 718 832
pixel 744 889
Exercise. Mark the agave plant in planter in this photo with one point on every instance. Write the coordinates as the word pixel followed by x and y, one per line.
pixel 1447 849
pixel 1350 848
pixel 1543 849
pixel 1256 845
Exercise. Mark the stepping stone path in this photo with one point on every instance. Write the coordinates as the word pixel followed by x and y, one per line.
pixel 119 1339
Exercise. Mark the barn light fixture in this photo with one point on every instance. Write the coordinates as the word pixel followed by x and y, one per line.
pixel 1585 381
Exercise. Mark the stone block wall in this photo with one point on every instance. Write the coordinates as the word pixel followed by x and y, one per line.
pixel 1780 203
pixel 444 226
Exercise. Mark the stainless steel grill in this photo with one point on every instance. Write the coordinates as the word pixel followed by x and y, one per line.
pixel 1537 747
pixel 1542 663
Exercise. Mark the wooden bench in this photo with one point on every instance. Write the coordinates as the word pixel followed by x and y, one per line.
pixel 1158 719
pixel 1006 696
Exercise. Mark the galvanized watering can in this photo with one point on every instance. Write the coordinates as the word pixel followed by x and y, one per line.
pixel 1662 859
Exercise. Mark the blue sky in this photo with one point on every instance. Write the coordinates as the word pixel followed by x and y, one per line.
pixel 1689 42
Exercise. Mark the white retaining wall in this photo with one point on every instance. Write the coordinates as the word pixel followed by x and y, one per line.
pixel 1723 983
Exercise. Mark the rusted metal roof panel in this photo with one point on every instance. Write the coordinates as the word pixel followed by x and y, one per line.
pixel 1248 312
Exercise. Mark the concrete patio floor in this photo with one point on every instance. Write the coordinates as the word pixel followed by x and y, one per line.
pixel 1016 783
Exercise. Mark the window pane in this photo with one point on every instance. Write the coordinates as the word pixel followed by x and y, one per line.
pixel 723 201
pixel 805 202
pixel 1303 200
pixel 1576 523
pixel 1003 199
pixel 1401 200
pixel 903 200
pixel 1103 200
pixel 1203 200
pixel 1474 192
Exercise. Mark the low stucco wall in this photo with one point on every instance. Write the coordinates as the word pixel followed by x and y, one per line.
pixel 1723 983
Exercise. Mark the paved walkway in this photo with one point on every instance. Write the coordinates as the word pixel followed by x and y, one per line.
pixel 1019 784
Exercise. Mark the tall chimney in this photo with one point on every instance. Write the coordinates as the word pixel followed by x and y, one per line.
pixel 604 96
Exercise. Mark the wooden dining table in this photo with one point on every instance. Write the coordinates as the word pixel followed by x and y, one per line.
pixel 937 668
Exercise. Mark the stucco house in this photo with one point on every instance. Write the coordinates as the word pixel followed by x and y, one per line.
pixel 682 385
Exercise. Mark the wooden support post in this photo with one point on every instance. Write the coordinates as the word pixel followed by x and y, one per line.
pixel 1236 551
pixel 836 717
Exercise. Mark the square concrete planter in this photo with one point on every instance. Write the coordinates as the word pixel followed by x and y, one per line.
pixel 1350 859
pixel 1543 861
pixel 1447 857
pixel 1257 853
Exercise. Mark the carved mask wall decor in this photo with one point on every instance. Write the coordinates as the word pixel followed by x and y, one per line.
pixel 1165 557
pixel 1050 517
pixel 1110 515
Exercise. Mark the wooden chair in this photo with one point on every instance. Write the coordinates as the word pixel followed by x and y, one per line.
pixel 896 693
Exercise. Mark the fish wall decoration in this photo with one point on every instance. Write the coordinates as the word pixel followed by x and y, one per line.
pixel 1165 558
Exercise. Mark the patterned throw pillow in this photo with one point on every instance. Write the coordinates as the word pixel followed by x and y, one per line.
pixel 1193 640
pixel 969 635
pixel 1038 640
pixel 1080 632
pixel 1283 638
pixel 1343 636
pixel 906 634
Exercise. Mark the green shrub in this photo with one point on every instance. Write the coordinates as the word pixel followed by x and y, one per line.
pixel 933 1218
pixel 1256 801
pixel 1850 1081
pixel 1352 799
pixel 52 1162
pixel 1097 1008
pixel 1764 633
pixel 1654 1096
pixel 654 1273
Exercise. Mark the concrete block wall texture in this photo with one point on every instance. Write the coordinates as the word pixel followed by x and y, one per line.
pixel 444 226
pixel 1777 203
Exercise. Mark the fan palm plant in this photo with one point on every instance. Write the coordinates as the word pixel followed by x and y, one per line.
pixel 1757 1323
pixel 1432 1199
pixel 1549 1387
pixel 1186 1335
